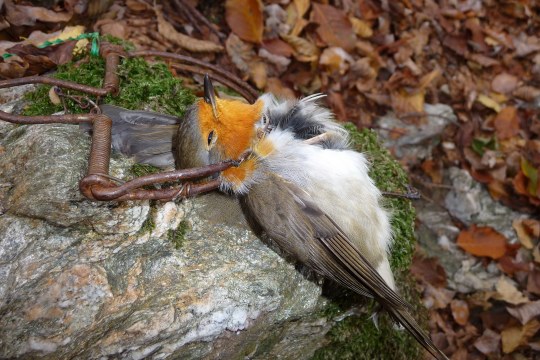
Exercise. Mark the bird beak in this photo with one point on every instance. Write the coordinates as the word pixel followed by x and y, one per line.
pixel 210 94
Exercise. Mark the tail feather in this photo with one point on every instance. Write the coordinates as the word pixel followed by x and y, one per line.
pixel 405 318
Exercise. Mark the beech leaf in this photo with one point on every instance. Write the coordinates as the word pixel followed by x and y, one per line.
pixel 525 238
pixel 516 336
pixel 488 343
pixel 460 311
pixel 335 28
pixel 482 241
pixel 184 41
pixel 508 292
pixel 504 83
pixel 245 18
pixel 507 123
pixel 525 312
pixel 304 50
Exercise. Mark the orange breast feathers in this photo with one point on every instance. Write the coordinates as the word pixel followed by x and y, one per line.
pixel 239 177
pixel 233 125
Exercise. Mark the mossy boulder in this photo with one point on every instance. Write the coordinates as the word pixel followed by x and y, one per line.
pixel 152 87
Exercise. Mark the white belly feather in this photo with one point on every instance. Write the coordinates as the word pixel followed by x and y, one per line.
pixel 338 182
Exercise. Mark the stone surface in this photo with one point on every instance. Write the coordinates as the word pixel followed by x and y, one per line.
pixel 459 198
pixel 418 140
pixel 471 203
pixel 91 280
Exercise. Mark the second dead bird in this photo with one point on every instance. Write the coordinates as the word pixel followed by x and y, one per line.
pixel 313 198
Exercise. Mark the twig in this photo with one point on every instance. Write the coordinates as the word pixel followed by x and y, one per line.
pixel 197 16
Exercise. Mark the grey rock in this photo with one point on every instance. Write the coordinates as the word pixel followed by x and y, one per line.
pixel 471 203
pixel 418 140
pixel 89 280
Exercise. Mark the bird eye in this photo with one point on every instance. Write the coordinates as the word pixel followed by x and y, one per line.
pixel 210 137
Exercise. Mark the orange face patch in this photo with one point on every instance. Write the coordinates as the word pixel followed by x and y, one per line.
pixel 237 175
pixel 234 125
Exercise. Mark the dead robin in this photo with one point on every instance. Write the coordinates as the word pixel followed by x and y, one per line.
pixel 303 186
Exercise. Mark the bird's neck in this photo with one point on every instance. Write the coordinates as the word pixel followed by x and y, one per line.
pixel 239 179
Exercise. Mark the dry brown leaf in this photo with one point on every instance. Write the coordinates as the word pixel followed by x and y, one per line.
pixel 488 102
pixel 404 102
pixel 245 18
pixel 240 52
pixel 482 241
pixel 243 56
pixel 525 238
pixel 295 12
pixel 276 87
pixel 506 123
pixel 533 281
pixel 489 342
pixel 437 298
pixel 504 83
pixel 278 47
pixel 115 28
pixel 137 5
pixel 460 311
pixel 526 45
pixel 428 78
pixel 21 15
pixel 361 28
pixel 507 291
pixel 533 227
pixel 516 336
pixel 429 270
pixel 305 51
pixel 184 41
pixel 484 60
pixel 433 169
pixel 37 60
pixel 526 312
pixel 536 254
pixel 14 68
pixel 335 28
pixel 302 6
pixel 258 73
pixel 335 100
pixel 335 59
pixel 281 62
pixel 527 93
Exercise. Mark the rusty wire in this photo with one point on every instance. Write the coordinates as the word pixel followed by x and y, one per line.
pixel 98 184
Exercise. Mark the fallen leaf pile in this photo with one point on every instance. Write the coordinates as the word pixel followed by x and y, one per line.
pixel 373 58
pixel 495 322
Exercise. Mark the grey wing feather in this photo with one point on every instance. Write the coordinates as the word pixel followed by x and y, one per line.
pixel 302 229
pixel 147 136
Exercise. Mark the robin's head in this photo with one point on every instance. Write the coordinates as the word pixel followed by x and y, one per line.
pixel 216 129
pixel 226 126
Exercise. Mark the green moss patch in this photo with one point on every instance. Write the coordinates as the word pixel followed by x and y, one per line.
pixel 149 224
pixel 144 169
pixel 177 236
pixel 142 86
